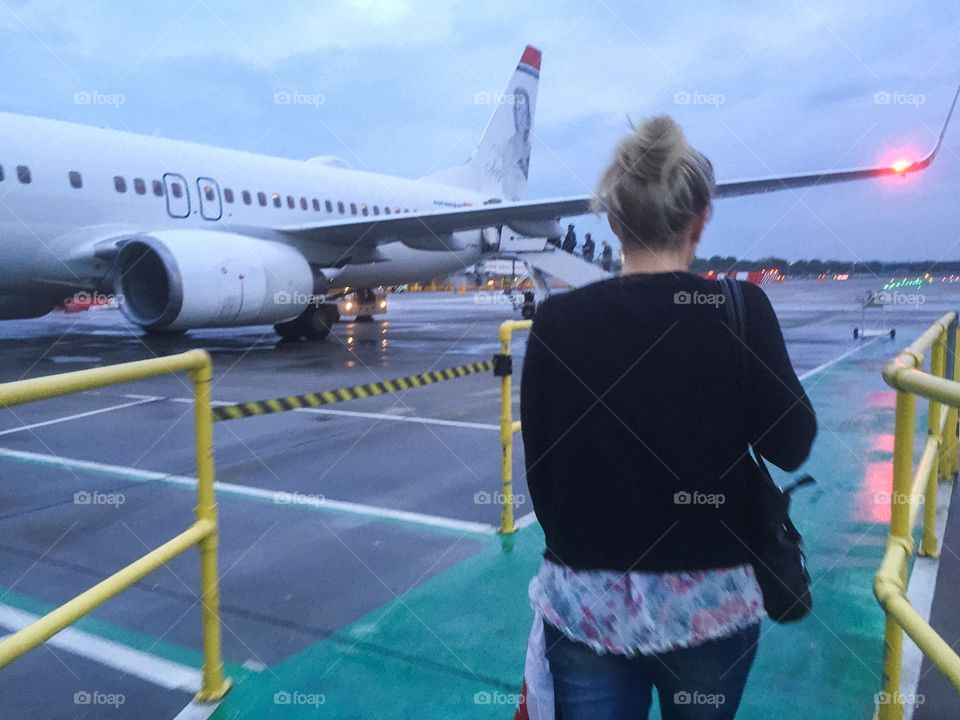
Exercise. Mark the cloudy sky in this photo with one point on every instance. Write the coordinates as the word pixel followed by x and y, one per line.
pixel 763 87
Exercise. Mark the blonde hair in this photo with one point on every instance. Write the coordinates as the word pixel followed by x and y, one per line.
pixel 656 184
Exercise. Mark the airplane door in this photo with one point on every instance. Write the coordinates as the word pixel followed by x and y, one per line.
pixel 178 195
pixel 211 206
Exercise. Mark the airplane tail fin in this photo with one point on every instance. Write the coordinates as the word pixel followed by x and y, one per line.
pixel 500 164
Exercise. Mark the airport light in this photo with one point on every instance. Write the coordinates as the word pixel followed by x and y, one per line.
pixel 901 166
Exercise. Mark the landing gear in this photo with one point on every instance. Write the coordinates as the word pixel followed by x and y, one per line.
pixel 314 323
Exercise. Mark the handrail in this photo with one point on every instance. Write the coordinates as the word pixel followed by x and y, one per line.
pixel 913 488
pixel 503 368
pixel 203 533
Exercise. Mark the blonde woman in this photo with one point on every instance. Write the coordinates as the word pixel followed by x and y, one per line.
pixel 635 430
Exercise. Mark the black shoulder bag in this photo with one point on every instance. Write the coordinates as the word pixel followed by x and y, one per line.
pixel 773 540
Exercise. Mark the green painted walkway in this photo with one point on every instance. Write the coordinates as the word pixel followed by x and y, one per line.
pixel 454 646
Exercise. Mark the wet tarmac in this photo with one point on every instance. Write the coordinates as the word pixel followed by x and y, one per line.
pixel 295 575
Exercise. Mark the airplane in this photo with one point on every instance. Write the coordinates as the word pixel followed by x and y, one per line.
pixel 192 236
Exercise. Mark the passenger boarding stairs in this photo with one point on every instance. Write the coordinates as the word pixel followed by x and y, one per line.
pixel 543 259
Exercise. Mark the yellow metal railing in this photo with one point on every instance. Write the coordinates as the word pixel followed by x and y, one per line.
pixel 203 532
pixel 508 427
pixel 913 488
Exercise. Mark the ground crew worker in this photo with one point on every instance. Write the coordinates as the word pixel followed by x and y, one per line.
pixel 606 255
pixel 588 247
pixel 570 240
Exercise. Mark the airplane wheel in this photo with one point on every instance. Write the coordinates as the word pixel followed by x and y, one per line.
pixel 527 312
pixel 893 333
pixel 316 321
pixel 856 333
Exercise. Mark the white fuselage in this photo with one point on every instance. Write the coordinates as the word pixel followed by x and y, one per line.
pixel 50 230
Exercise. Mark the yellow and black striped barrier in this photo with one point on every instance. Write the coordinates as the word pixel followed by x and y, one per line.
pixel 344 394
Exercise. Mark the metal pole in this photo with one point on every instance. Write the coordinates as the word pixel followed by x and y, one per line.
pixel 215 685
pixel 506 434
pixel 892 709
pixel 928 542
pixel 950 430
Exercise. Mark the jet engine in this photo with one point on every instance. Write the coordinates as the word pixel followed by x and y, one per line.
pixel 184 279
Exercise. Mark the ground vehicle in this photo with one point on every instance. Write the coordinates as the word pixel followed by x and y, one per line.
pixel 362 305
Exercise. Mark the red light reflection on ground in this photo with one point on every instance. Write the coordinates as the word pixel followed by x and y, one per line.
pixel 881 399
pixel 882 442
pixel 873 499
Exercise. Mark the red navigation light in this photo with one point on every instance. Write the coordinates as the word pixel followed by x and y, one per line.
pixel 901 166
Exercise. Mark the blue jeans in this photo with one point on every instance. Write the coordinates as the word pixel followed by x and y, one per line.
pixel 699 683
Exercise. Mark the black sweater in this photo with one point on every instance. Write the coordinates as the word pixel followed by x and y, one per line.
pixel 630 396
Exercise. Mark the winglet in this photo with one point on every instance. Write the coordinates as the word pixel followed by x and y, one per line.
pixel 925 162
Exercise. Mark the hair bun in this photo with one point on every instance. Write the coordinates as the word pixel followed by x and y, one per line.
pixel 656 184
pixel 654 150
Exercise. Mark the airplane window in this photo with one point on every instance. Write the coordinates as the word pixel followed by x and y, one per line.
pixel 208 193
pixel 228 195
pixel 328 205
pixel 364 210
pixel 376 210
pixel 76 181
pixel 23 174
pixel 340 207
pixel 316 205
pixel 290 201
pixel 120 184
pixel 276 200
pixel 262 199
pixel 303 203
pixel 157 188
pixel 139 186
pixel 175 189
pixel 1 173
pixel 386 211
pixel 353 208
pixel 246 197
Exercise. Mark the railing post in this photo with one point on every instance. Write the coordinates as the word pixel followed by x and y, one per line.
pixel 215 685
pixel 929 543
pixel 950 443
pixel 892 709
pixel 507 526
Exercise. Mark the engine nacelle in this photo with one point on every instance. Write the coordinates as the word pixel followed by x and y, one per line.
pixel 183 279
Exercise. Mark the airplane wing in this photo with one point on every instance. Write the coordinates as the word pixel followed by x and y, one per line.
pixel 429 229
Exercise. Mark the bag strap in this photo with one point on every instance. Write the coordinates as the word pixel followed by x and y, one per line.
pixel 736 309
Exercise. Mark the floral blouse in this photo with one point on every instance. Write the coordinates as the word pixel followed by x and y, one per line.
pixel 640 613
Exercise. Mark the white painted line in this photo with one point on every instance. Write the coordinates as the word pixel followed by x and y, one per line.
pixel 923 582
pixel 159 671
pixel 197 711
pixel 408 419
pixel 831 363
pixel 279 497
pixel 144 399
pixel 529 519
